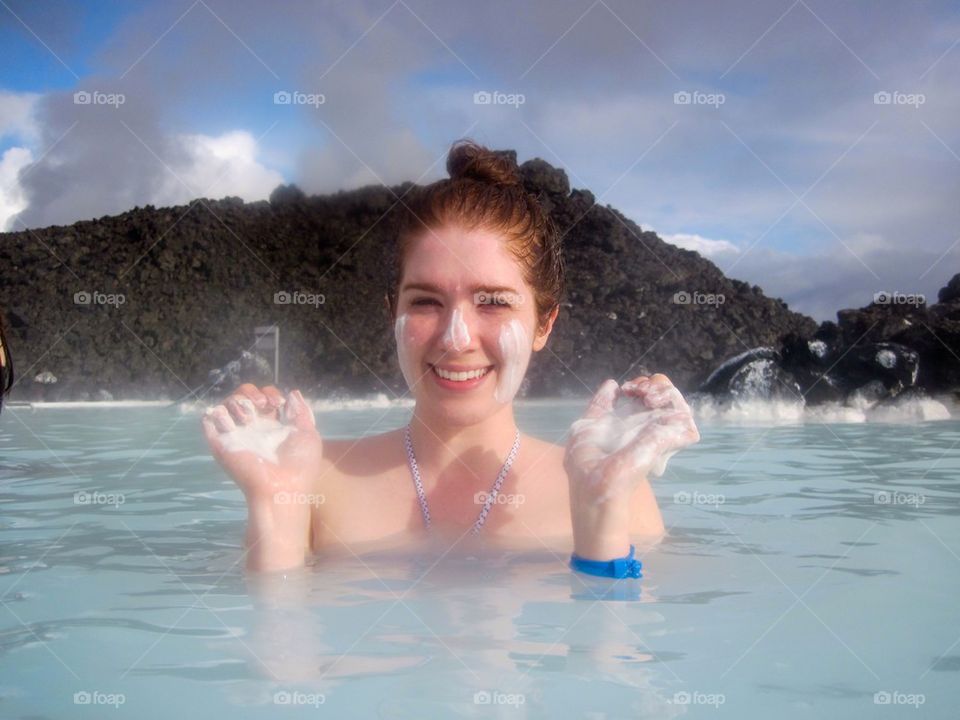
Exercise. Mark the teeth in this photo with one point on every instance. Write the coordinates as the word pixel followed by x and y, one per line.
pixel 460 376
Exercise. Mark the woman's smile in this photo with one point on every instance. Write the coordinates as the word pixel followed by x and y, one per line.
pixel 453 377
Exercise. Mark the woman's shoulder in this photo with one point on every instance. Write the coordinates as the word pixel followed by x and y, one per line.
pixel 367 455
pixel 542 451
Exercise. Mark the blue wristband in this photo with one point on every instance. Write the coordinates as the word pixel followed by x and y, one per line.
pixel 627 566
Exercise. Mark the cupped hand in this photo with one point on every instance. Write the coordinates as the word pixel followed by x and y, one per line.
pixel 615 446
pixel 267 442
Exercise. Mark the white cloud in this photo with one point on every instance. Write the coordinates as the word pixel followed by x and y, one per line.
pixel 116 176
pixel 705 246
pixel 217 166
pixel 12 200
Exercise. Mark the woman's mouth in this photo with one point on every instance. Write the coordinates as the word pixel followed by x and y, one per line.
pixel 457 378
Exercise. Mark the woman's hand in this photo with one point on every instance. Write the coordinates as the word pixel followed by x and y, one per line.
pixel 268 443
pixel 270 446
pixel 613 449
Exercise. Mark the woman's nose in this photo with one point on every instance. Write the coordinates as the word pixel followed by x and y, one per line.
pixel 456 336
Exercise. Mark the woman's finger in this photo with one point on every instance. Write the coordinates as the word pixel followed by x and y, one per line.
pixel 602 403
pixel 212 435
pixel 258 399
pixel 221 419
pixel 297 412
pixel 241 409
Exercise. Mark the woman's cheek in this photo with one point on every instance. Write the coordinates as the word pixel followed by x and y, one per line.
pixel 407 333
pixel 515 347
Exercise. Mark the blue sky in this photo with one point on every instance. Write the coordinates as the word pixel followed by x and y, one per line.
pixel 784 169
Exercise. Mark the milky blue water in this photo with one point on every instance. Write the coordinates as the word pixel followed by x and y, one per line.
pixel 809 571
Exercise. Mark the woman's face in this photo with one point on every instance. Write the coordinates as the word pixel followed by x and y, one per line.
pixel 464 307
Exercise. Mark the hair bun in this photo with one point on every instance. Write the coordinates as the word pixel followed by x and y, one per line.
pixel 469 160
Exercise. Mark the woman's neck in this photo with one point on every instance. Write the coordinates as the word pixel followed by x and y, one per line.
pixel 463 449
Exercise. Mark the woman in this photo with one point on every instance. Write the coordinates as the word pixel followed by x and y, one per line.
pixel 6 364
pixel 478 287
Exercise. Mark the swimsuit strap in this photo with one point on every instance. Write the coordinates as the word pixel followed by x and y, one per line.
pixel 491 496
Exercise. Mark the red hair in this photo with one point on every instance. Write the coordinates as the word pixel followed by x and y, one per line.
pixel 485 191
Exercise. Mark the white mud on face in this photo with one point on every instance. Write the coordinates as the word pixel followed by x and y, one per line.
pixel 515 349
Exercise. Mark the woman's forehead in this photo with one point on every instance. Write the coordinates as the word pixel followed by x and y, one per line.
pixel 452 256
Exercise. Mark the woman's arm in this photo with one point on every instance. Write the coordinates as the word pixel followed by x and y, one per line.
pixel 269 445
pixel 610 456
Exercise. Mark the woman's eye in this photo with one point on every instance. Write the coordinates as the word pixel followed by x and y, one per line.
pixel 424 301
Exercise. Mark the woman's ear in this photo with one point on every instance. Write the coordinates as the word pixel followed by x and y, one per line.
pixel 543 333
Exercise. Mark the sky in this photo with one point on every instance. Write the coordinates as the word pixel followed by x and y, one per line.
pixel 805 146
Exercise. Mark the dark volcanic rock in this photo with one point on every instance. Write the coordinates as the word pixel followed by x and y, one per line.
pixel 894 347
pixel 176 291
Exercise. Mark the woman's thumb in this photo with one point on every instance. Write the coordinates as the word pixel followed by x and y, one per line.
pixel 298 412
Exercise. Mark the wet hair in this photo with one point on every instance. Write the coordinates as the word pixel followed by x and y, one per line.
pixel 485 191
pixel 6 364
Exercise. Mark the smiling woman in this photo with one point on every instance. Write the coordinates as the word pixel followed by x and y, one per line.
pixel 476 289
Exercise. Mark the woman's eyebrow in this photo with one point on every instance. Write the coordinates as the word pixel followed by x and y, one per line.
pixel 429 287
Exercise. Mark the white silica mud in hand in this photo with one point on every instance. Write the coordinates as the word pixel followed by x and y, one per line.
pixel 403 352
pixel 515 349
pixel 457 336
pixel 630 419
pixel 261 436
